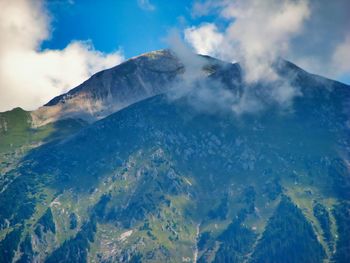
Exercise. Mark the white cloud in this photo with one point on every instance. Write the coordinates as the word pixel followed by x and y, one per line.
pixel 205 39
pixel 311 33
pixel 258 33
pixel 30 77
pixel 146 5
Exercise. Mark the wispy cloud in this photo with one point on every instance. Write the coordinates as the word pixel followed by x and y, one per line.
pixel 203 94
pixel 146 5
pixel 29 77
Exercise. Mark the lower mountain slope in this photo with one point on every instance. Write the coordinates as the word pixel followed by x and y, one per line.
pixel 160 181
pixel 18 136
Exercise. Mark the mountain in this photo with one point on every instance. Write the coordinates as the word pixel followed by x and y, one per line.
pixel 113 89
pixel 104 93
pixel 162 180
pixel 18 136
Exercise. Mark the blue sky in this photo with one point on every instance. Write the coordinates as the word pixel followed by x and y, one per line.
pixel 113 24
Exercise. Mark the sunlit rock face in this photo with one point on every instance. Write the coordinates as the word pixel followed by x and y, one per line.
pixel 113 89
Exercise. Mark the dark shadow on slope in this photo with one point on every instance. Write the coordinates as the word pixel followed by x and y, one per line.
pixel 288 237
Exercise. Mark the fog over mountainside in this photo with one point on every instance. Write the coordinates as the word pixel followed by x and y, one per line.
pixel 175 157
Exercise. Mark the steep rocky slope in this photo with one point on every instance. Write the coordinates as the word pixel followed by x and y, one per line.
pixel 111 90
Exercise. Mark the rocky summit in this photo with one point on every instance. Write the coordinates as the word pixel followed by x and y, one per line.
pixel 150 162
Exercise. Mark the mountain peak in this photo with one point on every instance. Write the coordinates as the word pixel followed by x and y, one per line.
pixel 112 89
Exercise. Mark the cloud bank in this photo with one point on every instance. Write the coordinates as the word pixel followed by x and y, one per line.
pixel 258 32
pixel 312 33
pixel 257 35
pixel 210 95
pixel 29 77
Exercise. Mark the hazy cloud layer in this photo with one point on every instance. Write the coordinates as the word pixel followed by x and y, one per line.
pixel 326 33
pixel 311 33
pixel 210 95
pixel 29 77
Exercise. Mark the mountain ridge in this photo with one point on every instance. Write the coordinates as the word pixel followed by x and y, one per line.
pixel 95 99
